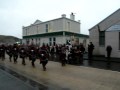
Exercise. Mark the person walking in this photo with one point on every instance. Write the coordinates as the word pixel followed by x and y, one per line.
pixel 90 51
pixel 32 55
pixel 9 52
pixel 43 56
pixel 22 55
pixel 82 50
pixel 109 50
pixel 15 52
pixel 63 56
pixel 2 52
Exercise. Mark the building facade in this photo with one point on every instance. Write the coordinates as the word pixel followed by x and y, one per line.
pixel 58 31
pixel 107 33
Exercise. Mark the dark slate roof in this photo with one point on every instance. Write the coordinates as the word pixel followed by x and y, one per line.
pixel 105 19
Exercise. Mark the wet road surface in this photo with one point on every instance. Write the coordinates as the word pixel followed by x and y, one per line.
pixel 96 63
pixel 70 77
pixel 34 85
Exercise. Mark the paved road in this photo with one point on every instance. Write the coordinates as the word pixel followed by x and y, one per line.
pixel 62 78
pixel 9 82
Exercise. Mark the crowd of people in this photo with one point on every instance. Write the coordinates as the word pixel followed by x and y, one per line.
pixel 22 51
pixel 66 53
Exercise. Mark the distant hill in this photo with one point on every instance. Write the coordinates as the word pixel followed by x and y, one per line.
pixel 9 39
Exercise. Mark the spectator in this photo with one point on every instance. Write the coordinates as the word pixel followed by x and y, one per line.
pixel 109 50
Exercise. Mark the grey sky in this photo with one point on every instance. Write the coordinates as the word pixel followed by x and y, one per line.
pixel 17 13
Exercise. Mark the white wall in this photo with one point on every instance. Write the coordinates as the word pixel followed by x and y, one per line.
pixel 94 38
pixel 73 26
pixel 61 40
pixel 104 25
pixel 60 24
pixel 112 38
pixel 57 25
pixel 44 40
pixel 53 26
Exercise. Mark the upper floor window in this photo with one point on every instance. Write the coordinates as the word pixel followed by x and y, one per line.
pixel 46 27
pixel 26 32
pixel 102 38
pixel 37 29
pixel 68 26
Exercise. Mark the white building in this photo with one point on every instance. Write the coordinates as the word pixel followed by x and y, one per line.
pixel 57 31
pixel 107 32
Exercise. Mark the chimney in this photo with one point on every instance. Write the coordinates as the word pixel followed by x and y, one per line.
pixel 63 15
pixel 79 21
pixel 72 16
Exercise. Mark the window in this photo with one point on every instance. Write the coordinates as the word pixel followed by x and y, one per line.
pixel 39 41
pixel 50 41
pixel 26 32
pixel 37 29
pixel 102 38
pixel 54 41
pixel 119 40
pixel 32 42
pixel 27 41
pixel 36 41
pixel 68 42
pixel 84 42
pixel 68 26
pixel 46 27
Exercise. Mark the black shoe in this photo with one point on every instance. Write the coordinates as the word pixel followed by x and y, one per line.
pixel 23 64
pixel 44 69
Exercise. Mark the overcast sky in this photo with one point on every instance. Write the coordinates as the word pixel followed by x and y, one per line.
pixel 17 13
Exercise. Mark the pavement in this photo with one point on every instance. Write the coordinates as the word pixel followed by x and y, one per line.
pixel 101 58
pixel 70 77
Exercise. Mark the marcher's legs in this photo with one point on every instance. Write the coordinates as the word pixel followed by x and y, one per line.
pixel 23 61
pixel 33 63
pixel 10 57
pixel 44 65
pixel 15 58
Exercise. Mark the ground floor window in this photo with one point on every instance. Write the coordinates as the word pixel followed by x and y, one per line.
pixel 102 38
pixel 27 41
pixel 84 42
pixel 68 42
pixel 39 42
pixel 36 41
pixel 50 41
pixel 54 41
pixel 119 40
